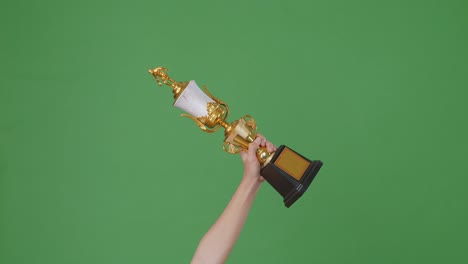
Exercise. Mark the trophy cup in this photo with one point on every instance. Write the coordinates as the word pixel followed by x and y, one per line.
pixel 287 171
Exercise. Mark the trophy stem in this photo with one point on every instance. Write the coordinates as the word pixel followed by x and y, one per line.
pixel 264 156
pixel 223 124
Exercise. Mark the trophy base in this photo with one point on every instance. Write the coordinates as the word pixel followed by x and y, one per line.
pixel 290 173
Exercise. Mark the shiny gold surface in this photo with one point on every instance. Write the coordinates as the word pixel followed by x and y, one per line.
pixel 160 75
pixel 238 134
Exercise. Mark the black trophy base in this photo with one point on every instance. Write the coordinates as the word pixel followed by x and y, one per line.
pixel 290 173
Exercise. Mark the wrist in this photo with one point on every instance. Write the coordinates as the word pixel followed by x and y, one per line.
pixel 253 181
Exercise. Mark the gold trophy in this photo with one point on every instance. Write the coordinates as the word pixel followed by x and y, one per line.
pixel 287 171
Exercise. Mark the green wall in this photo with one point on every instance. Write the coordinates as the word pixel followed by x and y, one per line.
pixel 96 166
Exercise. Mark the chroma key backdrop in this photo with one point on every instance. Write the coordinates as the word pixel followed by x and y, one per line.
pixel 97 166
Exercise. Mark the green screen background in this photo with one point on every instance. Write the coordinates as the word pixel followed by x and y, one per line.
pixel 96 166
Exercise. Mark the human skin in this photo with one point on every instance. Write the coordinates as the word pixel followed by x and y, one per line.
pixel 218 242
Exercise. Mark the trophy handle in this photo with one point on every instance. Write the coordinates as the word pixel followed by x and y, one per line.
pixel 201 125
pixel 231 148
pixel 249 127
pixel 250 122
pixel 219 101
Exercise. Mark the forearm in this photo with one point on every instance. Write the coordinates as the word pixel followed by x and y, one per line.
pixel 218 242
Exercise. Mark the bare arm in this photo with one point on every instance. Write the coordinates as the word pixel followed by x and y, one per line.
pixel 217 243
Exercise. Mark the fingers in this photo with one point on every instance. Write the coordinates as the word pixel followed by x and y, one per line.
pixel 254 146
pixel 263 140
pixel 260 141
pixel 270 147
pixel 265 143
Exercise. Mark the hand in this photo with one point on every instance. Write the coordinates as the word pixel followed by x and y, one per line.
pixel 249 157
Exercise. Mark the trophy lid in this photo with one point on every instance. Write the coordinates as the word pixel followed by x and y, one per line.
pixel 160 74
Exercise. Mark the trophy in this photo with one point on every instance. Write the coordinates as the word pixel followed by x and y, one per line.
pixel 287 171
